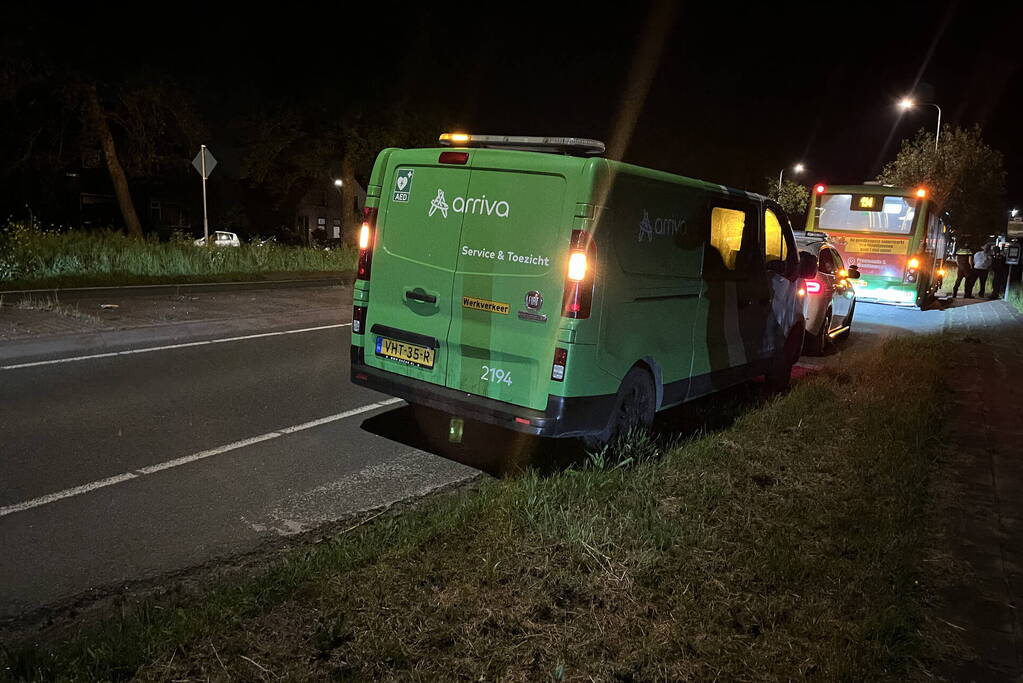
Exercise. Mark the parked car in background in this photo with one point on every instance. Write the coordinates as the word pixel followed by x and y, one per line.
pixel 830 299
pixel 220 238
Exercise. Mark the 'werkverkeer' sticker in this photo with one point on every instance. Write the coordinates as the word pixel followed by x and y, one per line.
pixel 403 184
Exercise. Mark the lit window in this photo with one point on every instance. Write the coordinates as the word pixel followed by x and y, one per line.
pixel 726 227
pixel 774 240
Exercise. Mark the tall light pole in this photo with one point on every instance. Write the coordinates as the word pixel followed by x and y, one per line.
pixel 797 169
pixel 338 184
pixel 906 103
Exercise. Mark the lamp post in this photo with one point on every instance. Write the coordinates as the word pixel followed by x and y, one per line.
pixel 906 103
pixel 797 169
pixel 338 184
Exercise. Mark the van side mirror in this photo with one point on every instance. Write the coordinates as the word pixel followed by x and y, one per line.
pixel 854 272
pixel 807 265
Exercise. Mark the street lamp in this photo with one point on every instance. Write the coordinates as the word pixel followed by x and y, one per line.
pixel 906 103
pixel 797 169
pixel 338 183
pixel 1012 214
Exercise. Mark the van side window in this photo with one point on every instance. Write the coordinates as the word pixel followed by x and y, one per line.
pixel 726 228
pixel 774 240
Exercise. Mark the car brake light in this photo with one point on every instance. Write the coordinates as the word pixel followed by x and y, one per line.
pixel 560 361
pixel 359 319
pixel 369 216
pixel 582 259
pixel 813 287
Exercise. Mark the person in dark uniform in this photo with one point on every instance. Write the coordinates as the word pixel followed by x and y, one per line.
pixel 1001 272
pixel 964 264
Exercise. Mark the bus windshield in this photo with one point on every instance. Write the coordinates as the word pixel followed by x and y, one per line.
pixel 865 213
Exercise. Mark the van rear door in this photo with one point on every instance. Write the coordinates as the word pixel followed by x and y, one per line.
pixel 509 280
pixel 414 260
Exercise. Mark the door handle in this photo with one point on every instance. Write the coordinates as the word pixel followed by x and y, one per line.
pixel 421 296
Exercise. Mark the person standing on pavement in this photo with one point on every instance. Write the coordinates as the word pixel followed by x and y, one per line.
pixel 981 264
pixel 964 264
pixel 1000 271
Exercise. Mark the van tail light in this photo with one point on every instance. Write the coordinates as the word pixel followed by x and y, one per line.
pixel 367 235
pixel 358 319
pixel 813 287
pixel 582 261
pixel 560 361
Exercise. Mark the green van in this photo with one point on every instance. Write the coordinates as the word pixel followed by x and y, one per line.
pixel 532 284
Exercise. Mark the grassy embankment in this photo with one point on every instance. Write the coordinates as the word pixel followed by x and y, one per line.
pixel 1015 288
pixel 33 258
pixel 789 544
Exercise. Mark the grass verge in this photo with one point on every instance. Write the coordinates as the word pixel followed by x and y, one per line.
pixel 784 546
pixel 34 258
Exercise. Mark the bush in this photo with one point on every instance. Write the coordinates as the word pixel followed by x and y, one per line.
pixel 32 256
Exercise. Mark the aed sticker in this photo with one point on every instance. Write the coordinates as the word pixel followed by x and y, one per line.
pixel 403 185
pixel 876 245
pixel 485 305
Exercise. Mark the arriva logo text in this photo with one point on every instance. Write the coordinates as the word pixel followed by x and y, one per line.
pixel 660 226
pixel 479 206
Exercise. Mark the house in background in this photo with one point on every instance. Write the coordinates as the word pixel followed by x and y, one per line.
pixel 318 215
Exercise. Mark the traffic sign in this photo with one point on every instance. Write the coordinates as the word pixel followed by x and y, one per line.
pixel 204 162
pixel 1012 254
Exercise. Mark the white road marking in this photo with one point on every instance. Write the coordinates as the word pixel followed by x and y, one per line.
pixel 177 462
pixel 168 347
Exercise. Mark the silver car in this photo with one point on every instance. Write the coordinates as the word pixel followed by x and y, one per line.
pixel 829 299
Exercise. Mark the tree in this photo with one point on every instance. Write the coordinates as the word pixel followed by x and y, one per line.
pixel 964 176
pixel 68 116
pixel 792 197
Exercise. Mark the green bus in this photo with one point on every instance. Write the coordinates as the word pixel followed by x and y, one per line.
pixel 532 284
pixel 895 236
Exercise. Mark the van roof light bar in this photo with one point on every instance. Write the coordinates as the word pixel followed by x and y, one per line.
pixel 575 146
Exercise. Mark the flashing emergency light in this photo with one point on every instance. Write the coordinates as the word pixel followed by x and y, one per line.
pixel 583 146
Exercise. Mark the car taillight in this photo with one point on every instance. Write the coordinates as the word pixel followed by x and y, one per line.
pixel 560 361
pixel 813 287
pixel 366 235
pixel 358 319
pixel 582 261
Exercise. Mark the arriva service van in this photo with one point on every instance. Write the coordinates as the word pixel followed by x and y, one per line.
pixel 532 284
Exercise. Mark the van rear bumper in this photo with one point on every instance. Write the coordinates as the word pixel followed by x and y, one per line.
pixel 563 417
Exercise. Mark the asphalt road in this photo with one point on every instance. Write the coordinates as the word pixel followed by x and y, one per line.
pixel 129 467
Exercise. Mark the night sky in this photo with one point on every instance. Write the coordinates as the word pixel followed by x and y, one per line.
pixel 737 92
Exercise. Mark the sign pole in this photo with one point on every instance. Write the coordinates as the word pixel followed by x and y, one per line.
pixel 205 220
pixel 1008 280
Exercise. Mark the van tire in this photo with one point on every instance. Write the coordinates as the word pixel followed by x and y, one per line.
pixel 635 407
pixel 779 375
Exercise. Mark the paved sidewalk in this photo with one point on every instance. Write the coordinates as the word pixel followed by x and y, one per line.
pixel 986 520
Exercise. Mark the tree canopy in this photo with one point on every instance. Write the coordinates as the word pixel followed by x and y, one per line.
pixel 964 176
pixel 792 197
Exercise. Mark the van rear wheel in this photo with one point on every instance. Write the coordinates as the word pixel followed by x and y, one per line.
pixel 635 407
